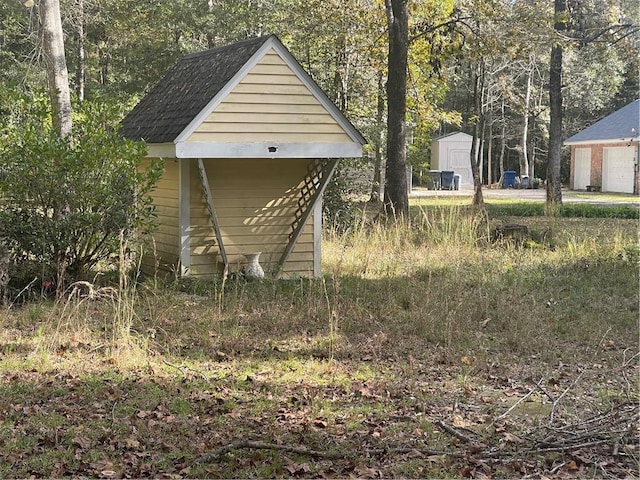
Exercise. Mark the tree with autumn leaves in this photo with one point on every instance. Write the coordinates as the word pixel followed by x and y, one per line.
pixel 394 67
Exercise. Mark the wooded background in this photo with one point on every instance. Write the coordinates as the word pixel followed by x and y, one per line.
pixel 478 65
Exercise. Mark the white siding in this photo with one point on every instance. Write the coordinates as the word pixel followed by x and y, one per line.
pixel 255 201
pixel 271 104
pixel 453 153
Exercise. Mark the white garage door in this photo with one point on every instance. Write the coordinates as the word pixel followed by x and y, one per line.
pixel 582 169
pixel 617 169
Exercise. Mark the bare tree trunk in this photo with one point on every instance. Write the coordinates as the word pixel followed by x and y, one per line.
pixel 483 127
pixel 396 198
pixel 81 70
pixel 554 188
pixel 56 64
pixel 377 168
pixel 339 81
pixel 524 154
pixel 532 157
pixel 503 141
pixel 478 87
pixel 490 151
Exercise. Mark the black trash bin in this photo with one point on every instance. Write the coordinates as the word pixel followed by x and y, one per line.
pixel 435 179
pixel 447 179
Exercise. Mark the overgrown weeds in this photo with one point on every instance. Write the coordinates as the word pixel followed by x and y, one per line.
pixel 412 327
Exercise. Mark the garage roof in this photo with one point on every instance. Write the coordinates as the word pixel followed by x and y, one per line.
pixel 621 125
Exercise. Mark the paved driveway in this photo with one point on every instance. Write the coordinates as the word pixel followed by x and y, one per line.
pixel 533 194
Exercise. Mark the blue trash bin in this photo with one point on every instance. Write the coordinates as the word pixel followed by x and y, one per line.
pixel 509 179
pixel 447 179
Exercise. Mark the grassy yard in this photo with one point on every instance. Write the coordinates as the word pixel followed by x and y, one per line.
pixel 438 349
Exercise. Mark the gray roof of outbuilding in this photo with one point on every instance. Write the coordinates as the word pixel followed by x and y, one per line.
pixel 185 90
pixel 447 135
pixel 622 124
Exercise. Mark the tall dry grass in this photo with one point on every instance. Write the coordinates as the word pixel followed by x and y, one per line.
pixel 438 282
pixel 443 280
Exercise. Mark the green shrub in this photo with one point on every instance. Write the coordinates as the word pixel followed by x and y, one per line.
pixel 339 209
pixel 68 203
pixel 589 210
pixel 572 210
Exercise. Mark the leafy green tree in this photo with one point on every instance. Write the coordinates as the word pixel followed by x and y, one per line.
pixel 69 201
pixel 18 41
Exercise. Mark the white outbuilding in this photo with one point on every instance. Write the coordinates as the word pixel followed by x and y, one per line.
pixel 452 152
pixel 249 143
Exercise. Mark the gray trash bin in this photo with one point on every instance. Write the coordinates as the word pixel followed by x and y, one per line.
pixel 457 178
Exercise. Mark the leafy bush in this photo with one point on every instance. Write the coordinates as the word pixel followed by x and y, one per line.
pixel 338 206
pixel 68 203
pixel 587 210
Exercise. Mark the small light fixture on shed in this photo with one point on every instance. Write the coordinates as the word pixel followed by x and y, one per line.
pixel 272 149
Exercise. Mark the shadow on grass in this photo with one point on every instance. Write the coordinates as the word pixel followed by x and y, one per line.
pixel 146 424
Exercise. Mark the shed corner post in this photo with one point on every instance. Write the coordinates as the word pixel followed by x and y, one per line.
pixel 184 207
pixel 317 239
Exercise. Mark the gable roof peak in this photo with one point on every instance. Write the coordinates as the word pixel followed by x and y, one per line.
pixel 231 46
pixel 190 91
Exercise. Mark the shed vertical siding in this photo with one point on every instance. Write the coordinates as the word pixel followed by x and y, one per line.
pixel 164 251
pixel 255 201
pixel 271 104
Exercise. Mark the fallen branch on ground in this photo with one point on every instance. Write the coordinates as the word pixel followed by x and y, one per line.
pixel 252 444
pixel 535 387
pixel 454 432
pixel 241 444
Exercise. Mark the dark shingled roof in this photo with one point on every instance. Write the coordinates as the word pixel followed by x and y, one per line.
pixel 622 124
pixel 183 92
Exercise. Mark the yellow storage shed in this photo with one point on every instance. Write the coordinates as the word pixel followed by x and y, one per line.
pixel 250 142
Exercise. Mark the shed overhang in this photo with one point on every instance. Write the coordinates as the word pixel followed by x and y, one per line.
pixel 267 150
pixel 254 150
pixel 161 150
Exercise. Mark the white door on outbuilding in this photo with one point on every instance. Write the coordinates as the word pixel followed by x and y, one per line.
pixel 460 162
pixel 617 169
pixel 582 169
